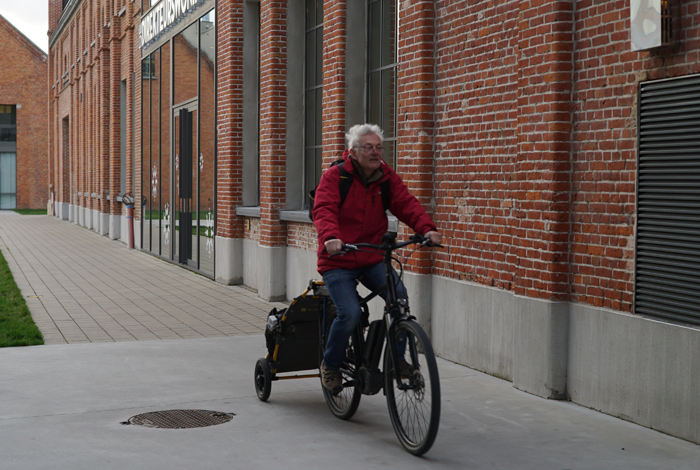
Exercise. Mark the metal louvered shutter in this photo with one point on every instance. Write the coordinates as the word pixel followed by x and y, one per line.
pixel 667 280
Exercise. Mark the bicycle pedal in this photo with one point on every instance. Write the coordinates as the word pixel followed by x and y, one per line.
pixel 336 390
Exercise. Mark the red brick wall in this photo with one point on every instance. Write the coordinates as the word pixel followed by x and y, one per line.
pixel 536 143
pixel 517 128
pixel 23 79
pixel 607 74
pixel 229 118
pixel 476 142
pixel 416 111
pixel 273 133
pixel 97 49
pixel 333 80
pixel 543 164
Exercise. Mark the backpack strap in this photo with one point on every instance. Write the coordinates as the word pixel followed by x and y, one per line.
pixel 385 187
pixel 345 183
pixel 344 186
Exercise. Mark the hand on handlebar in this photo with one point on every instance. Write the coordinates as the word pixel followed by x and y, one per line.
pixel 435 238
pixel 334 246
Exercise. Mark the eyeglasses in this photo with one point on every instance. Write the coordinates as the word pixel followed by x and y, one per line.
pixel 369 148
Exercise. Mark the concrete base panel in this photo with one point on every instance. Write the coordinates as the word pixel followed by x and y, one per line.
pixel 89 219
pixel 264 269
pixel 540 344
pixel 473 325
pixel 637 369
pixel 301 268
pixel 81 216
pixel 71 213
pixel 137 234
pixel 272 273
pixel 250 263
pixel 104 224
pixel 115 227
pixel 420 289
pixel 62 210
pixel 228 259
pixel 124 233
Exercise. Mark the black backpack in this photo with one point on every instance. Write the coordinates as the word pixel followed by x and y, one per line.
pixel 345 183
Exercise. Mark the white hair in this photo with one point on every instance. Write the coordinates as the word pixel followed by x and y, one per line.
pixel 357 131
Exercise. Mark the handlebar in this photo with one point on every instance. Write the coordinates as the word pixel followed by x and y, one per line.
pixel 388 244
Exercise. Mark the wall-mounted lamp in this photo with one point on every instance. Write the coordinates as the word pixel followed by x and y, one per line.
pixel 653 23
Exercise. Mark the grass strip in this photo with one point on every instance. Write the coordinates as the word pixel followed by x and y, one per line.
pixel 17 328
pixel 30 211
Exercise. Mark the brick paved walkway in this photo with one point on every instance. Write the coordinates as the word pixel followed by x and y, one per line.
pixel 81 287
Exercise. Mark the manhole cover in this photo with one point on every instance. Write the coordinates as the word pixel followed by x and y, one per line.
pixel 180 419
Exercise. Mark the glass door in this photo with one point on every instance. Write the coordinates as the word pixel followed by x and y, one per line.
pixel 185 167
pixel 8 180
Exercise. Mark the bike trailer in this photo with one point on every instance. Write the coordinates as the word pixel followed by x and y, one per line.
pixel 292 334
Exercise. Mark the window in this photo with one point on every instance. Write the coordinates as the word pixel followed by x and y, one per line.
pixel 8 121
pixel 148 68
pixel 667 268
pixel 251 103
pixel 313 94
pixel 381 72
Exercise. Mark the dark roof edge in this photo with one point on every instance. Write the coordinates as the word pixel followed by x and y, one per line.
pixel 65 16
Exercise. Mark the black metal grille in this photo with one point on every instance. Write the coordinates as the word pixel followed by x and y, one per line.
pixel 667 281
pixel 180 419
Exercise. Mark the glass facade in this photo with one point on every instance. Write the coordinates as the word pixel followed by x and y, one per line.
pixel 178 146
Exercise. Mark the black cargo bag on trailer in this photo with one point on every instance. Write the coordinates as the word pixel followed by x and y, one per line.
pixel 293 339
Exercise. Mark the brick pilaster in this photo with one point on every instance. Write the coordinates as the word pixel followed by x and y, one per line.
pixel 416 107
pixel 103 120
pixel 114 114
pixel 543 167
pixel 273 124
pixel 334 20
pixel 229 118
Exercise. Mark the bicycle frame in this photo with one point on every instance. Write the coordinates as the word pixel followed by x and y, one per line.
pixel 396 310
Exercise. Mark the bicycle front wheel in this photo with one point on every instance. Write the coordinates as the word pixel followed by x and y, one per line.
pixel 413 398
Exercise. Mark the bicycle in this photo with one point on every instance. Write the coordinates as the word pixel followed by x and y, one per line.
pixel 413 393
pixel 411 386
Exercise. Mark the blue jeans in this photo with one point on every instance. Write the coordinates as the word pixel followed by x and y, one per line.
pixel 341 286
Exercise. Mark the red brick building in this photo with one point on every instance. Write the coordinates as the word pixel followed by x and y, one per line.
pixel 92 91
pixel 23 123
pixel 554 142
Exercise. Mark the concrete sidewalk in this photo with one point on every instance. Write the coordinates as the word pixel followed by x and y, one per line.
pixel 61 407
pixel 82 287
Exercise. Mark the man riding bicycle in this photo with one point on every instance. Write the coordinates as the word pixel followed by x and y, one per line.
pixel 359 218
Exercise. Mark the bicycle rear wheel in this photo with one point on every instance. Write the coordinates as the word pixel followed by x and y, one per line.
pixel 344 404
pixel 414 400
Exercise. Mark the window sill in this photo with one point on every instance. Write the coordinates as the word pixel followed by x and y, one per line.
pixel 296 216
pixel 248 211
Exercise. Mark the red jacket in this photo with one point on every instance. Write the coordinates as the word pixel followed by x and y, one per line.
pixel 361 219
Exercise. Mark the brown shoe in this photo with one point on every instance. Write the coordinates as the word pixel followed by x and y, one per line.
pixel 331 379
pixel 405 368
